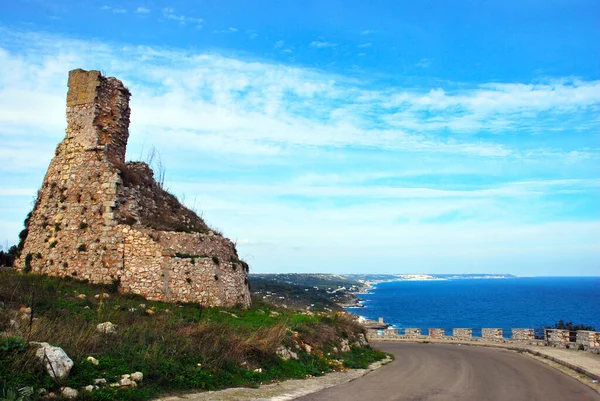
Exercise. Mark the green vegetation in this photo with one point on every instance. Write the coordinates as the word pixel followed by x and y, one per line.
pixel 315 291
pixel 7 257
pixel 177 347
pixel 564 325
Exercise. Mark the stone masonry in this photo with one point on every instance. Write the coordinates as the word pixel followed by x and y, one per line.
pixel 100 219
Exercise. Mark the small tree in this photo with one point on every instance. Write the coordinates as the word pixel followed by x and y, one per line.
pixel 562 325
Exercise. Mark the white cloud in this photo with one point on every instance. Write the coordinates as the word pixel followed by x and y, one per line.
pixel 321 44
pixel 286 157
pixel 367 32
pixel 423 63
pixel 228 30
pixel 142 10
pixel 364 45
pixel 115 10
pixel 169 14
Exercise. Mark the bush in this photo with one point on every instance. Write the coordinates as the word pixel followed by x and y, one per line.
pixel 564 325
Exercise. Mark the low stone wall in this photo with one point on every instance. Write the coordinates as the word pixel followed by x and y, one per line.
pixel 589 339
pixel 582 340
pixel 521 336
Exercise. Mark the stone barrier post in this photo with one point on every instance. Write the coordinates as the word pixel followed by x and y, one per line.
pixel 412 333
pixel 436 333
pixel 462 334
pixel 491 334
pixel 523 335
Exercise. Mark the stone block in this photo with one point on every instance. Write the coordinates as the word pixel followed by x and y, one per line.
pixel 462 334
pixel 436 333
pixel 523 334
pixel 492 334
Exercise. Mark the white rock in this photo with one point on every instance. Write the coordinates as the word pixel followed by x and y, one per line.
pixel 307 348
pixel 92 360
pixel 55 360
pixel 286 353
pixel 89 388
pixel 126 382
pixel 137 376
pixel 344 346
pixel 100 381
pixel 259 370
pixel 107 328
pixel 69 393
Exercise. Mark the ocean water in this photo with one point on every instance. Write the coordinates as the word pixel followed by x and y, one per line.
pixel 493 303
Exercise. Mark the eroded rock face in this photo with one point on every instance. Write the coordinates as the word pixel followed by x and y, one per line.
pixel 104 220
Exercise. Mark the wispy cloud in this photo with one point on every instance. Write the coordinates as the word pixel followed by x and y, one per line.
pixel 364 45
pixel 327 161
pixel 228 30
pixel 423 63
pixel 142 10
pixel 367 32
pixel 115 10
pixel 321 44
pixel 169 14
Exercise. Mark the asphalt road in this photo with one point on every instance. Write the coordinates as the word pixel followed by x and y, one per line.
pixel 436 372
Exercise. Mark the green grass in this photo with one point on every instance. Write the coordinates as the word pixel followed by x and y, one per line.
pixel 178 347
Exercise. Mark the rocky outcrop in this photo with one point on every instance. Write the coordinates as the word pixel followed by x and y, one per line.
pixel 100 219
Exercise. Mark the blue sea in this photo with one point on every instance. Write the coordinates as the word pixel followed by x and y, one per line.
pixel 494 303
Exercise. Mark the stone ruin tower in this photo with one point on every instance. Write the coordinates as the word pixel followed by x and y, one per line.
pixel 100 219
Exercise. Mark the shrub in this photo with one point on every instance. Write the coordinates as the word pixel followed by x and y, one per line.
pixel 215 260
pixel 82 248
pixel 28 259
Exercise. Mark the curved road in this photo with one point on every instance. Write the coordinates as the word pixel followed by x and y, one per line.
pixel 436 372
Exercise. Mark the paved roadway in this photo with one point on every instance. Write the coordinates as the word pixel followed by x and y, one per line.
pixel 436 372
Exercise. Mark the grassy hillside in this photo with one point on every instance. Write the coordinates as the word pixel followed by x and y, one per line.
pixel 176 347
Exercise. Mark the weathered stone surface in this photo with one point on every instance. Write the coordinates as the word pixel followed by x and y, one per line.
pixel 491 334
pixel 436 333
pixel 69 393
pixel 100 219
pixel 137 377
pixel 286 354
pixel 55 360
pixel 462 334
pixel 523 334
pixel 412 332
pixel 107 328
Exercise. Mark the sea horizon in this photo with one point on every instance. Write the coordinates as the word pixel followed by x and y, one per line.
pixel 515 302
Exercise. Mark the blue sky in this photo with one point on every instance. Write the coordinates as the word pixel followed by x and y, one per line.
pixel 330 136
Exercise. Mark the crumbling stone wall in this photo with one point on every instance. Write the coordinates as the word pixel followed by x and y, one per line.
pixel 107 221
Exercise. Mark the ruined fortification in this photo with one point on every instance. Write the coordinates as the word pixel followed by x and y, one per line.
pixel 100 219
